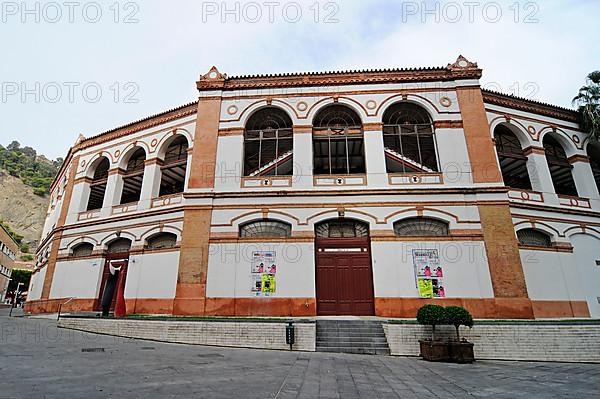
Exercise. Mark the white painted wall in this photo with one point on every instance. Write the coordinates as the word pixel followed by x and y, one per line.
pixel 551 276
pixel 466 272
pixel 77 278
pixel 586 253
pixel 36 285
pixel 152 275
pixel 229 273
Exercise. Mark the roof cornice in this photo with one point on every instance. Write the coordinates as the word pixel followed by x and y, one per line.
pixel 145 123
pixel 535 107
pixel 459 70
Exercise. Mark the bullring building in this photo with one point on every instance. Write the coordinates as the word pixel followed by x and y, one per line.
pixel 331 193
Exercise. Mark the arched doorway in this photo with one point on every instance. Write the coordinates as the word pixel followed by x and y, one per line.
pixel 344 277
pixel 114 273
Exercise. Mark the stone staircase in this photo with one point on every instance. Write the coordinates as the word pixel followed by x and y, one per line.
pixel 351 336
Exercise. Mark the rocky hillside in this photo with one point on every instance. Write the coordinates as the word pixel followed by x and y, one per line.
pixel 25 178
pixel 21 209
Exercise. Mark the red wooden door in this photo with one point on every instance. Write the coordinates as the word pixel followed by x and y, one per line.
pixel 120 262
pixel 344 277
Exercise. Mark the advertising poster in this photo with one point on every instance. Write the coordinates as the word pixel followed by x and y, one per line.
pixel 429 273
pixel 263 270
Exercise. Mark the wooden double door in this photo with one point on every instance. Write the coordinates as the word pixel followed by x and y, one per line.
pixel 344 277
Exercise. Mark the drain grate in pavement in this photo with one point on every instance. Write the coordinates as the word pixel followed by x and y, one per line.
pixel 88 350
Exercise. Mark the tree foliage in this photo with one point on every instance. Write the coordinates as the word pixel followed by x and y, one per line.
pixel 458 316
pixel 431 315
pixel 19 276
pixel 34 170
pixel 588 100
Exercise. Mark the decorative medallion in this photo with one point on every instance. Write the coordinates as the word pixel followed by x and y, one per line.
pixel 371 104
pixel 117 153
pixel 302 106
pixel 531 129
pixel 154 142
pixel 232 110
pixel 576 139
pixel 445 102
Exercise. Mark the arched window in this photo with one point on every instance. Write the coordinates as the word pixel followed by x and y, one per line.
pixel 560 168
pixel 174 167
pixel 513 161
pixel 120 245
pixel 133 177
pixel 83 249
pixel 341 228
pixel 338 147
pixel 408 138
pixel 593 150
pixel 421 227
pixel 534 238
pixel 98 184
pixel 268 144
pixel 161 241
pixel 265 228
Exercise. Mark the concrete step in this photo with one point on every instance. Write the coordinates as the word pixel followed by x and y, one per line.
pixel 355 350
pixel 354 336
pixel 345 342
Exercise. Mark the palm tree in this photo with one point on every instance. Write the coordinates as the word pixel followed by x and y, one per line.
pixel 588 101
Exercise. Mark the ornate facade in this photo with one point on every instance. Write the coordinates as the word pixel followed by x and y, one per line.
pixel 338 193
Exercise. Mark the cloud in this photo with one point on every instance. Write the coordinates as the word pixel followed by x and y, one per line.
pixel 173 42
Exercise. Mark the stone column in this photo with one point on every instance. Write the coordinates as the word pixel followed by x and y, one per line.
pixel 375 155
pixel 303 158
pixel 112 194
pixel 583 176
pixel 150 184
pixel 539 173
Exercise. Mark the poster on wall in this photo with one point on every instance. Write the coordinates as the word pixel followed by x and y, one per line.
pixel 429 273
pixel 263 270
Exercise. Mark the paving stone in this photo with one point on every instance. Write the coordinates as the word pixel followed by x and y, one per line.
pixel 37 360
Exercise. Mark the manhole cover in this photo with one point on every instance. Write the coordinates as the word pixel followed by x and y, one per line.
pixel 92 349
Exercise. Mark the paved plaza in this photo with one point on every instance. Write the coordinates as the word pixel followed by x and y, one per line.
pixel 37 360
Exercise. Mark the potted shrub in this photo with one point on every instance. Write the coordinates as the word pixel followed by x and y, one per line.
pixel 461 351
pixel 432 349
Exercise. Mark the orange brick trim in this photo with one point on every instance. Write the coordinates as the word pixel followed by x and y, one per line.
pixel 549 309
pixel 52 305
pixel 193 262
pixel 534 150
pixel 448 124
pixel 480 308
pixel 302 129
pixel 57 236
pixel 149 306
pixel 578 158
pixel 482 153
pixel 233 131
pixel 202 173
pixel 373 127
pixel 502 252
pixel 296 307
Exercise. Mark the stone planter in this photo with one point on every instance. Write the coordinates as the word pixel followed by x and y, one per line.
pixel 434 351
pixel 461 352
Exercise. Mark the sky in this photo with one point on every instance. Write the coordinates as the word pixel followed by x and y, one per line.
pixel 70 68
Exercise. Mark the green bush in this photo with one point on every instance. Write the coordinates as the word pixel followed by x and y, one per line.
pixel 432 315
pixel 458 316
